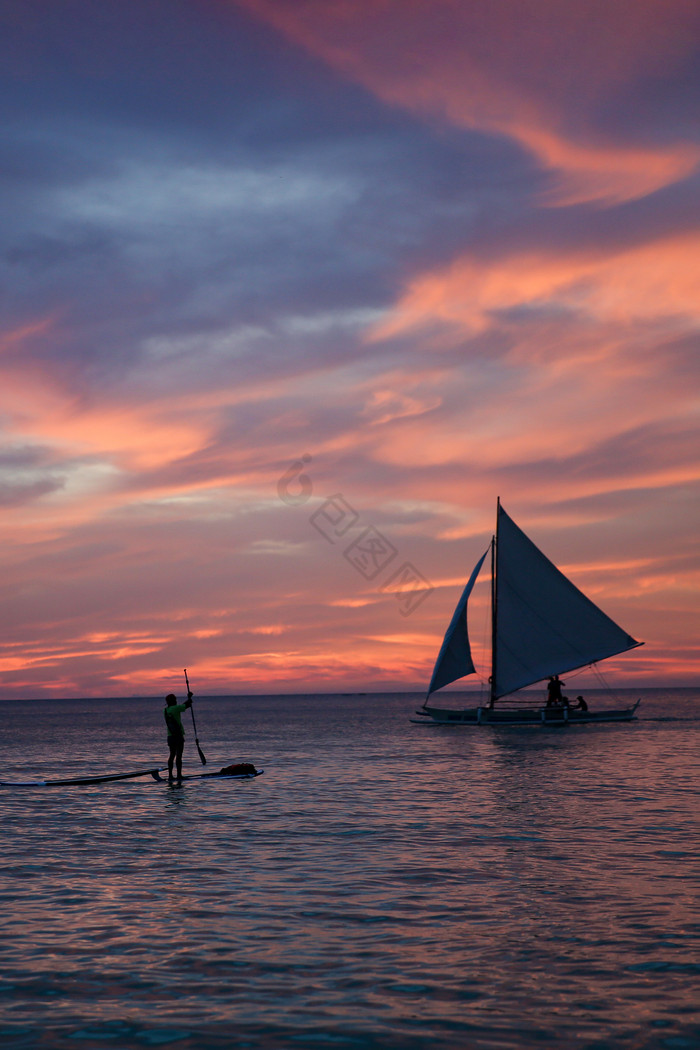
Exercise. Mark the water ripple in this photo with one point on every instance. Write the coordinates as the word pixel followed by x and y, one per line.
pixel 377 888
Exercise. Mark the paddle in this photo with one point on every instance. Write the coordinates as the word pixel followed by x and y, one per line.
pixel 194 724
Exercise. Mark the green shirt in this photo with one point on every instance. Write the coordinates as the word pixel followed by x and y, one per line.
pixel 173 720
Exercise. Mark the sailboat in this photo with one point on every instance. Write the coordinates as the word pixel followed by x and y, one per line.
pixel 542 626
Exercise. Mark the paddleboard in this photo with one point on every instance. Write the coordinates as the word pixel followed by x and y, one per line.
pixel 212 776
pixel 105 778
pixel 102 779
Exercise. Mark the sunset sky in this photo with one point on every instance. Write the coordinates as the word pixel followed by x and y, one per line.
pixel 426 253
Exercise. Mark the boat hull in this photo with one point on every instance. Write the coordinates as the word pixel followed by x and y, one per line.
pixel 526 716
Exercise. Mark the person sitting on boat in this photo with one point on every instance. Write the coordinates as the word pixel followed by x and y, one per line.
pixel 554 694
pixel 176 732
pixel 580 704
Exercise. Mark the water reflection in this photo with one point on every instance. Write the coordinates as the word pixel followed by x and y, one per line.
pixel 381 885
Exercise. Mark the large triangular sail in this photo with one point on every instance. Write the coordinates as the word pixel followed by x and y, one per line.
pixel 455 659
pixel 545 624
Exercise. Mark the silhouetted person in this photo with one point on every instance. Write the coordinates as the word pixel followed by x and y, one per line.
pixel 580 704
pixel 554 695
pixel 176 732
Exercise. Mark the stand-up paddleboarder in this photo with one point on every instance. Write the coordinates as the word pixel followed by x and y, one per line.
pixel 176 732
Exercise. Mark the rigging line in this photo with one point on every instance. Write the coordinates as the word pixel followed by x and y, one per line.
pixel 604 683
pixel 576 671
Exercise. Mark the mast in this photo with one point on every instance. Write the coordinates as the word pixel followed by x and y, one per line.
pixel 494 607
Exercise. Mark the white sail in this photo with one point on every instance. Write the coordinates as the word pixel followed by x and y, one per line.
pixel 545 624
pixel 455 659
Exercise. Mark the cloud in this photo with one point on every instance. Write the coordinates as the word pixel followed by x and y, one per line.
pixel 539 74
pixel 654 282
pixel 329 229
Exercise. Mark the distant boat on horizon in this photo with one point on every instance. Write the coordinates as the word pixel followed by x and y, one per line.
pixel 542 626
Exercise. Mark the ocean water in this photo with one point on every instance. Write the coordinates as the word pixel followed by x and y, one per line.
pixel 382 885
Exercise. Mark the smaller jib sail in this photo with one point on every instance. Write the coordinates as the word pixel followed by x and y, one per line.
pixel 545 624
pixel 455 658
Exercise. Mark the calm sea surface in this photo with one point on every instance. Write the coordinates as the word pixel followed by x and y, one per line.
pixel 382 885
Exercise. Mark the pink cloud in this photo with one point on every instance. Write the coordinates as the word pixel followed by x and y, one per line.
pixel 535 73
pixel 656 281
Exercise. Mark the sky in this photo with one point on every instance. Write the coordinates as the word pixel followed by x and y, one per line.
pixel 294 290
